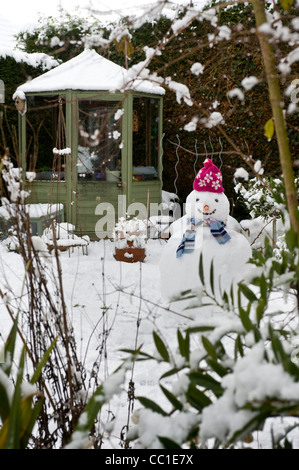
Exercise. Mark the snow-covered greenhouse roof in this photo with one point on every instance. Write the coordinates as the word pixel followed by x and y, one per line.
pixel 88 71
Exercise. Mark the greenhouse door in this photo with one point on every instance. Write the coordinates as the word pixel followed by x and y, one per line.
pixel 99 165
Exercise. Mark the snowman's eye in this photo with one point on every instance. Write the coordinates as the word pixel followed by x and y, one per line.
pixel 197 199
pixel 216 200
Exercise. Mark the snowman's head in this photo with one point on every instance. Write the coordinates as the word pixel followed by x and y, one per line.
pixel 207 205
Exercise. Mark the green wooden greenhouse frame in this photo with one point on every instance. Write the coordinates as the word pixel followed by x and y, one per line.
pixel 82 198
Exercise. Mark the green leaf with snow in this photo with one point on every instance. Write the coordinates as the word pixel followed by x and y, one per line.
pixel 217 367
pixel 168 443
pixel 184 344
pixel 172 398
pixel 211 350
pixel 162 350
pixel 200 329
pixel 9 349
pixel 249 294
pixel 206 381
pixel 170 372
pixel 244 314
pixel 212 276
pixel 239 347
pixel 201 274
pixel 197 398
pixel 147 403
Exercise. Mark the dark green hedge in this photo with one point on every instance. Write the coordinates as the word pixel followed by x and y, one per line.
pixel 226 64
pixel 13 74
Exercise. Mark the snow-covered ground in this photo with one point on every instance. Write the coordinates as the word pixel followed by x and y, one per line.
pixel 127 293
pixel 92 282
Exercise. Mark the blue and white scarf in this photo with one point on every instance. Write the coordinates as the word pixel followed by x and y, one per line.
pixel 188 241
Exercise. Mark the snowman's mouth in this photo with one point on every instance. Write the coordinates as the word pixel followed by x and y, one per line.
pixel 206 213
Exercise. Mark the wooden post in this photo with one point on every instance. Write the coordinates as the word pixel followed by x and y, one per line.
pixel 275 101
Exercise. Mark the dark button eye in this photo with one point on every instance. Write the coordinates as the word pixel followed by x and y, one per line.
pixel 216 200
pixel 197 200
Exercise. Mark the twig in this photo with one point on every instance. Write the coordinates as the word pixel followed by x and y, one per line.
pixel 64 313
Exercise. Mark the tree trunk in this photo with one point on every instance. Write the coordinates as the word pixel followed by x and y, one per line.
pixel 276 105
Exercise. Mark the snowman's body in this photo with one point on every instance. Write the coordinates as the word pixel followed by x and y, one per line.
pixel 229 256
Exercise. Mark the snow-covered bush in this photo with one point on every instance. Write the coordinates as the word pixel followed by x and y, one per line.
pixel 21 402
pixel 264 199
pixel 263 196
pixel 243 371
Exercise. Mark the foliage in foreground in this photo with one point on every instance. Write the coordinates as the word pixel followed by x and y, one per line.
pixel 244 371
pixel 20 405
pixel 69 398
pixel 21 401
pixel 237 369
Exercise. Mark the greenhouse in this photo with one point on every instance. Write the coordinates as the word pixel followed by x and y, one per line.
pixel 90 137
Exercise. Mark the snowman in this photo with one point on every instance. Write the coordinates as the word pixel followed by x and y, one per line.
pixel 204 233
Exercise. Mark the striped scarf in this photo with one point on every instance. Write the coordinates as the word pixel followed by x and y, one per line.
pixel 188 241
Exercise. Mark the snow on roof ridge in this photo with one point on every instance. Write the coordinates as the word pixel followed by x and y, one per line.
pixel 89 71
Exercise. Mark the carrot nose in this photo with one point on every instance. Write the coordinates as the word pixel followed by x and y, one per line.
pixel 206 207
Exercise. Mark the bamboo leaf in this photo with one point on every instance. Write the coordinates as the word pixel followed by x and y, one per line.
pixel 161 347
pixel 147 403
pixel 173 400
pixel 30 420
pixel 9 349
pixel 217 367
pixel 3 434
pixel 238 347
pixel 244 315
pixel 212 277
pixel 201 274
pixel 197 398
pixel 260 309
pixel 4 402
pixel 209 347
pixel 206 381
pixel 184 344
pixel 248 293
pixel 181 343
pixel 139 355
pixel 277 346
pixel 200 329
pixel 168 443
pixel 14 425
pixel 169 373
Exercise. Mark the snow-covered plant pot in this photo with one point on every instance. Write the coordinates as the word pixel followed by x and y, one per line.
pixel 130 240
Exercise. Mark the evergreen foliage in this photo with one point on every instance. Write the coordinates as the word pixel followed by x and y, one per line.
pixel 226 64
pixel 13 73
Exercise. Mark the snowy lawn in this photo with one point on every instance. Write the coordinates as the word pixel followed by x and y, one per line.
pixel 115 306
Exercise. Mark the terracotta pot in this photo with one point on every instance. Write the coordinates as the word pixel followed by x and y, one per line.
pixel 130 254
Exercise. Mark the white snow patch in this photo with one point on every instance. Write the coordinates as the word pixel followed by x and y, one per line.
pixel 236 92
pixel 214 119
pixel 249 82
pixel 241 173
pixel 197 68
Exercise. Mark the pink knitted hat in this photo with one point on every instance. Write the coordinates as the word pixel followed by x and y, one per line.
pixel 209 178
